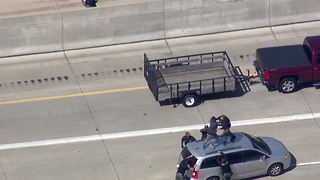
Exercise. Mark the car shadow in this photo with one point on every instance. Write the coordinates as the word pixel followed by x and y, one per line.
pixel 292 167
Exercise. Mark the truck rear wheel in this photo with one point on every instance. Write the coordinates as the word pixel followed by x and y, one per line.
pixel 190 100
pixel 287 85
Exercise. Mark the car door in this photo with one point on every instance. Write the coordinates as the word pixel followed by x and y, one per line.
pixel 236 164
pixel 209 168
pixel 255 163
pixel 316 69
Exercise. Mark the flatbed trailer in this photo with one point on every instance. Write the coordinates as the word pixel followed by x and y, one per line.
pixel 188 78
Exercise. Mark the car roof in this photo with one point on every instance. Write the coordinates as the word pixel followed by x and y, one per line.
pixel 241 141
pixel 314 42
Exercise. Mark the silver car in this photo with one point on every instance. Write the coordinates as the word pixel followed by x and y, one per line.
pixel 248 156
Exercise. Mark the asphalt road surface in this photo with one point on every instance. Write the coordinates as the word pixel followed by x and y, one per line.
pixel 87 114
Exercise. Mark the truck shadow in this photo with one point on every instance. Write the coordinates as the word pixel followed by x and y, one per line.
pixel 300 87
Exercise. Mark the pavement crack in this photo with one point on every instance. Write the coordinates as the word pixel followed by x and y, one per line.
pixel 92 117
pixel 4 173
pixel 309 106
pixel 202 119
pixel 164 26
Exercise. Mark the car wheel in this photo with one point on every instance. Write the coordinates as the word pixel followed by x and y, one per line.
pixel 213 178
pixel 287 85
pixel 190 100
pixel 275 169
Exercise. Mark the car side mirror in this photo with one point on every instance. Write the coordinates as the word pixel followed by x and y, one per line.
pixel 263 157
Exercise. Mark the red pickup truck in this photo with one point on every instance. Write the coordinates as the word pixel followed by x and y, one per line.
pixel 285 67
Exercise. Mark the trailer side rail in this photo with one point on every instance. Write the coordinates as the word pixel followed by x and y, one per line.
pixel 176 92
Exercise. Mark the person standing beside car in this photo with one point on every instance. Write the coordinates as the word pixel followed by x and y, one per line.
pixel 187 138
pixel 185 166
pixel 223 162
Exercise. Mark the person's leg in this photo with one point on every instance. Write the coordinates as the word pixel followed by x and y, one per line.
pixel 223 177
pixel 225 136
pixel 211 139
pixel 179 176
pixel 232 136
pixel 205 144
pixel 228 176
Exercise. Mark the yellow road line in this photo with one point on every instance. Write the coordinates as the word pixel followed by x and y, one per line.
pixel 73 95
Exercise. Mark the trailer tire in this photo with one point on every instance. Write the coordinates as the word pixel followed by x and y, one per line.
pixel 190 100
pixel 287 85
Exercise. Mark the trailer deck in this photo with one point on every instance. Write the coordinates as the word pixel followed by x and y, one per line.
pixel 196 75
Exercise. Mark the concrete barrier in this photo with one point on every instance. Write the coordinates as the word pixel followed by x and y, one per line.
pixel 192 17
pixel 140 21
pixel 292 11
pixel 113 25
pixel 31 34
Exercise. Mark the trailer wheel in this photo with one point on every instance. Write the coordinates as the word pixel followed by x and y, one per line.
pixel 190 100
pixel 287 85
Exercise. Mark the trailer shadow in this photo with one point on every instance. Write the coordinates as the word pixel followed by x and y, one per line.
pixel 240 91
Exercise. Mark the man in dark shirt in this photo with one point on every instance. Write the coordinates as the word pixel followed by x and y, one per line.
pixel 222 160
pixel 185 165
pixel 187 138
pixel 204 132
pixel 211 132
pixel 225 124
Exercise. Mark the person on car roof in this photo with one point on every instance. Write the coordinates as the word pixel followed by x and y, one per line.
pixel 225 124
pixel 204 132
pixel 211 132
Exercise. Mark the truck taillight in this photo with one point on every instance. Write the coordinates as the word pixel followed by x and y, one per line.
pixel 266 75
pixel 195 174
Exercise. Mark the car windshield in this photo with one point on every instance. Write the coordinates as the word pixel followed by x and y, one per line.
pixel 308 51
pixel 259 144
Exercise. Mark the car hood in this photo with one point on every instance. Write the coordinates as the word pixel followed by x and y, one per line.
pixel 277 147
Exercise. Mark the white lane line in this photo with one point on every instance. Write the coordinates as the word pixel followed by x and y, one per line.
pixel 308 163
pixel 151 132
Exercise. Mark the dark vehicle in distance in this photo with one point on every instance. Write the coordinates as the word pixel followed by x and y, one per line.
pixel 285 67
pixel 188 78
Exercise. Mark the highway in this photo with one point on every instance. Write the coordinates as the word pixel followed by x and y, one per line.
pixel 78 99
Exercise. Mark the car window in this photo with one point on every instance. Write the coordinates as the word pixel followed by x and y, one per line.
pixel 308 51
pixel 259 144
pixel 251 155
pixel 209 163
pixel 234 158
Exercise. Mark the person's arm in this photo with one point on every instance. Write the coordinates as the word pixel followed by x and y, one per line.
pixel 192 138
pixel 182 139
pixel 219 160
